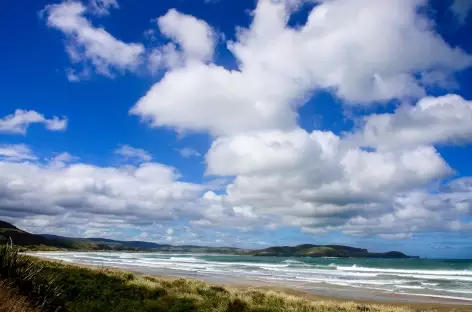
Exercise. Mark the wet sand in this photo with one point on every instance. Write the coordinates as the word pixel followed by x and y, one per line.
pixel 311 291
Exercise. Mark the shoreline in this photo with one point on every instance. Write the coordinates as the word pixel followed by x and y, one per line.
pixel 314 292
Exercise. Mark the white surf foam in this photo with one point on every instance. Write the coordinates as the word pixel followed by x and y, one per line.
pixel 417 272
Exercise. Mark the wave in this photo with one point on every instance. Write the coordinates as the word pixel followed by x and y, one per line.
pixel 441 296
pixel 184 259
pixel 409 287
pixel 331 266
pixel 433 277
pixel 293 262
pixel 403 271
pixel 455 291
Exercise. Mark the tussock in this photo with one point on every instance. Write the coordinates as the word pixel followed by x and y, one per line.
pixel 24 274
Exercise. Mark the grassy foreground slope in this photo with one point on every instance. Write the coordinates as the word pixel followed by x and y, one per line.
pixel 53 286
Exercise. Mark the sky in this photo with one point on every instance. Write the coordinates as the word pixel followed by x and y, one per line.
pixel 240 123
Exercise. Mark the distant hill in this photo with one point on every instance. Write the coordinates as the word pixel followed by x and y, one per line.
pixel 103 243
pixel 136 244
pixel 54 242
pixel 9 232
pixel 110 244
pixel 308 250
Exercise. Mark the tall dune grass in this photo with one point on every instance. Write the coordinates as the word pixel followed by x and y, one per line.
pixel 25 274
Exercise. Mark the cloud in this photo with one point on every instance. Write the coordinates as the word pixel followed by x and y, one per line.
pixel 316 181
pixel 131 153
pixel 370 194
pixel 89 46
pixel 195 37
pixel 379 56
pixel 62 159
pixel 102 7
pixel 20 120
pixel 321 161
pixel 16 152
pixel 105 197
pixel 417 212
pixel 384 178
pixel 193 40
pixel 219 211
pixel 433 120
pixel 188 152
pixel 212 99
pixel 461 9
pixel 397 236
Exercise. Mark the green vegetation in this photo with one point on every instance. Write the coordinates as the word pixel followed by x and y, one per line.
pixel 323 251
pixel 53 286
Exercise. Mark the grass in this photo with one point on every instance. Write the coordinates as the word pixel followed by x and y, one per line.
pixel 53 286
pixel 10 301
pixel 87 290
pixel 26 276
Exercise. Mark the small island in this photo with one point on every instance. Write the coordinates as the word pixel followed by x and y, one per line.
pixel 339 251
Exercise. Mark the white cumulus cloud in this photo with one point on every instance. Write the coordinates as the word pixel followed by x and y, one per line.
pixel 363 51
pixel 433 120
pixel 64 188
pixel 195 37
pixel 20 120
pixel 384 178
pixel 132 153
pixel 91 46
pixel 16 152
pixel 317 181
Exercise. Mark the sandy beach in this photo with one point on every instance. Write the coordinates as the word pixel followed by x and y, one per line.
pixel 320 291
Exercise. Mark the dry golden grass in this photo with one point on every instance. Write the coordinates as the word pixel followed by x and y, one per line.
pixel 250 299
pixel 12 302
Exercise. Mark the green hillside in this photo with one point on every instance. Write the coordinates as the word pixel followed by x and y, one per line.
pixel 9 232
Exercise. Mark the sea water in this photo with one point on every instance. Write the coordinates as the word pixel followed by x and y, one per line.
pixel 450 279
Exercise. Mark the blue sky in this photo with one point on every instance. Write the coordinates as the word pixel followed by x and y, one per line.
pixel 240 123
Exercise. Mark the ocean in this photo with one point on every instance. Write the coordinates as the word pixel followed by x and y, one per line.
pixel 448 279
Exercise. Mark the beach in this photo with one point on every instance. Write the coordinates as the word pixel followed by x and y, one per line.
pixel 340 280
